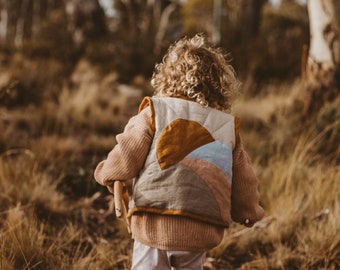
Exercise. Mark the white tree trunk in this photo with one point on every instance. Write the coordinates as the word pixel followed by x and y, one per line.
pixel 36 20
pixel 3 23
pixel 163 24
pixel 19 32
pixel 216 33
pixel 323 62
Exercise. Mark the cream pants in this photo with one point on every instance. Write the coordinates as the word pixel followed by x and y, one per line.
pixel 148 258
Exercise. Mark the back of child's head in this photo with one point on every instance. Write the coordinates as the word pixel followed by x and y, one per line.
pixel 198 71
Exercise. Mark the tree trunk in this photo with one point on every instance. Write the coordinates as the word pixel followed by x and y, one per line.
pixel 3 21
pixel 86 21
pixel 250 21
pixel 163 24
pixel 247 37
pixel 36 19
pixel 20 25
pixel 216 33
pixel 323 63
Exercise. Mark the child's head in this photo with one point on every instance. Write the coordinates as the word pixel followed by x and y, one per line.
pixel 198 71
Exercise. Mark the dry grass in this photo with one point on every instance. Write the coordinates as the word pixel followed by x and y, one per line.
pixel 301 229
pixel 96 103
pixel 44 229
pixel 54 216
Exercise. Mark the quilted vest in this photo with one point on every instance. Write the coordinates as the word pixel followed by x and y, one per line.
pixel 188 170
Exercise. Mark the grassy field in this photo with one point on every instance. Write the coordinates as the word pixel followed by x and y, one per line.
pixel 54 216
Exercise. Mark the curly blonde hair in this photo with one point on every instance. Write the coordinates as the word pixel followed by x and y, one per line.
pixel 194 69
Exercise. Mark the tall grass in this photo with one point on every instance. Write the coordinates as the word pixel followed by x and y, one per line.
pixel 301 229
pixel 43 229
pixel 300 191
pixel 54 216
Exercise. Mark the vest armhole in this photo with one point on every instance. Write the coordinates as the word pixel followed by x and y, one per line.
pixel 147 102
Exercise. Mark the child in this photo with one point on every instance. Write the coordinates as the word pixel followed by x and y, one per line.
pixel 192 174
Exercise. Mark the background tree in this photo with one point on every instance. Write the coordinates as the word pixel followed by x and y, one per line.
pixel 276 55
pixel 22 20
pixel 142 27
pixel 3 21
pixel 86 21
pixel 263 42
pixel 323 64
pixel 246 34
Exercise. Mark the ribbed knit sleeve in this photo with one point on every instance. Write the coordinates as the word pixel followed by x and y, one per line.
pixel 127 158
pixel 245 208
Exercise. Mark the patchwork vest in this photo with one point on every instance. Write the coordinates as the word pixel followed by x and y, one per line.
pixel 188 170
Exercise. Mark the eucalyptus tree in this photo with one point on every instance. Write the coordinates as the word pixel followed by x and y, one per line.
pixel 142 28
pixel 323 63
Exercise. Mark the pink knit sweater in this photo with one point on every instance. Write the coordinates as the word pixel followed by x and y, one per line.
pixel 175 232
